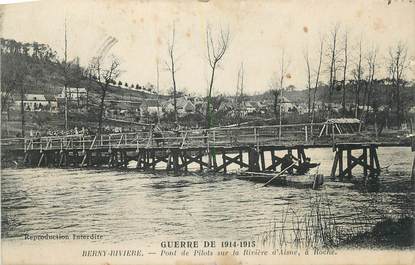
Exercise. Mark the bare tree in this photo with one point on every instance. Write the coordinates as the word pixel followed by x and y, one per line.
pixel 313 85
pixel 284 65
pixel 240 98
pixel 308 68
pixel 333 59
pixel 216 49
pixel 397 66
pixel 344 72
pixel 275 92
pixel 358 72
pixel 103 77
pixel 317 81
pixel 171 67
pixel 277 86
pixel 371 61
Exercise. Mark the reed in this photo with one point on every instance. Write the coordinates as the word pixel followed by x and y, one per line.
pixel 314 226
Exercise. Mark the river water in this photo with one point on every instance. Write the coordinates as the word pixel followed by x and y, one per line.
pixel 129 205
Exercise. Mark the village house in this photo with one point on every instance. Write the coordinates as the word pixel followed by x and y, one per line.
pixel 226 106
pixel 73 93
pixel 38 102
pixel 183 104
pixel 150 107
pixel 52 102
pixel 250 107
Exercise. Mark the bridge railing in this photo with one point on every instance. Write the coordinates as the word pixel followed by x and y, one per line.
pixel 201 138
pixel 265 135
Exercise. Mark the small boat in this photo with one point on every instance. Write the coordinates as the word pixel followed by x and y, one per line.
pixel 313 181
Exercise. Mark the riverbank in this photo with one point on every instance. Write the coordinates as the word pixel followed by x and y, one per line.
pixel 387 234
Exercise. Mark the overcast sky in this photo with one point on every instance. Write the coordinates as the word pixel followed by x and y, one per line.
pixel 259 31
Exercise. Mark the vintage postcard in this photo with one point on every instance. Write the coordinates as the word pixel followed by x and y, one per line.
pixel 207 132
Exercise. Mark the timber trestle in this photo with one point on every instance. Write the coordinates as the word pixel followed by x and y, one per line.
pixel 363 155
pixel 216 159
pixel 225 149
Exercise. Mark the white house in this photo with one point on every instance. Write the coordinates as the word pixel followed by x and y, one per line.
pixel 73 93
pixel 150 106
pixel 183 105
pixel 38 102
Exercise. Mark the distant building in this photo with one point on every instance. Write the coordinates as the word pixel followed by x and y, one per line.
pixel 38 102
pixel 183 104
pixel 151 107
pixel 73 93
pixel 52 102
pixel 250 107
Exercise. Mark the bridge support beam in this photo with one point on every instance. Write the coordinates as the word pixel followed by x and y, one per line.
pixel 367 152
pixel 299 157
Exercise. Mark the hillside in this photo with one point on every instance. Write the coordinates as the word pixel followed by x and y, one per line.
pixel 33 68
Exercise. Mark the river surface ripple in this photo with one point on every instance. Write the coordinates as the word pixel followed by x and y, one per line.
pixel 130 205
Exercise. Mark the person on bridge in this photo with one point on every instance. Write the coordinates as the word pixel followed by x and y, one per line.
pixel 158 135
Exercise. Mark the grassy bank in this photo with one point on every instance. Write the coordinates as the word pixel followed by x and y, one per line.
pixel 318 228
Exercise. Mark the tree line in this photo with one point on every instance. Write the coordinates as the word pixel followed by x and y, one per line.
pixel 339 65
pixel 347 67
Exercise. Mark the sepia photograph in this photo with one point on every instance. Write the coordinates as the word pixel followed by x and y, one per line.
pixel 207 132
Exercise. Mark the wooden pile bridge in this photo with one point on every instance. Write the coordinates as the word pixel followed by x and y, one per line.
pixel 256 148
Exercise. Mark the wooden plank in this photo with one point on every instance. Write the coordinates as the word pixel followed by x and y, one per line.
pixel 175 161
pixel 262 160
pixel 334 166
pixel 41 159
pixel 365 161
pixel 224 162
pixel 195 159
pixel 253 160
pixel 413 174
pixel 276 161
pixel 375 156
pixel 84 159
pixel 241 155
pixel 340 152
pixel 229 160
pixel 349 161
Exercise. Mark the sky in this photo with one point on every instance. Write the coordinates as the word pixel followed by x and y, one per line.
pixel 259 31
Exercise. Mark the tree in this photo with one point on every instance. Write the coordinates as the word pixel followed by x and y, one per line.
pixel 13 75
pixel 333 59
pixel 397 66
pixel 312 88
pixel 284 64
pixel 317 78
pixel 75 75
pixel 275 94
pixel 103 77
pixel 216 49
pixel 171 67
pixel 20 74
pixel 344 73
pixel 240 98
pixel 370 79
pixel 308 68
pixel 358 72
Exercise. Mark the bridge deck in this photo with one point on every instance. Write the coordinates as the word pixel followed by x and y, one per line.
pixel 307 135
